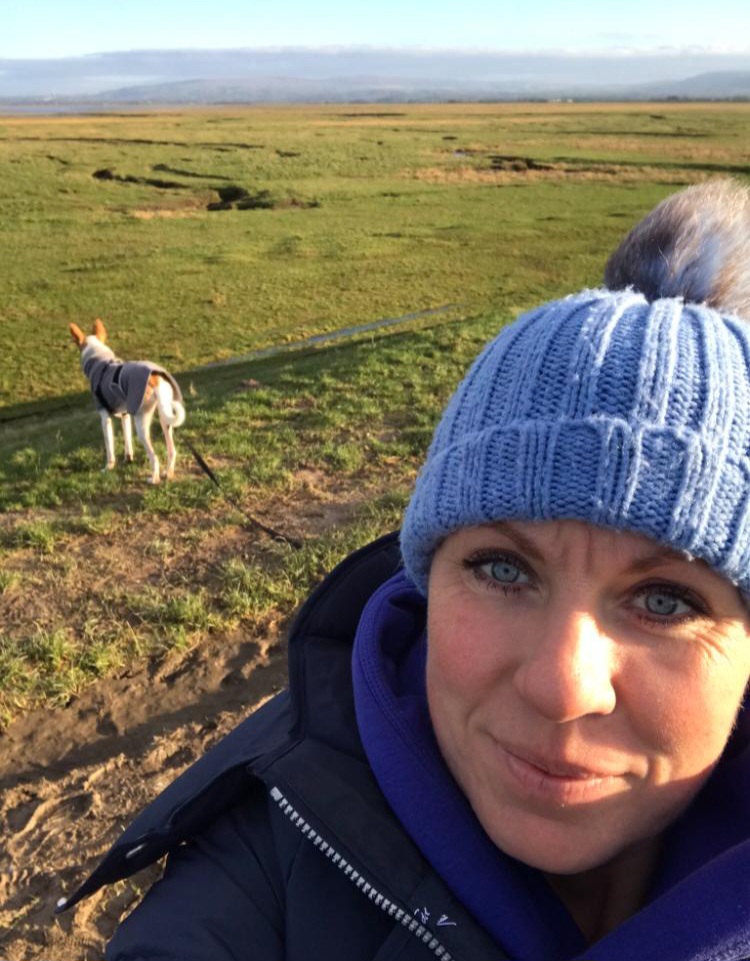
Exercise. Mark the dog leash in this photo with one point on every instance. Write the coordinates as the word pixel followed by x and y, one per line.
pixel 276 535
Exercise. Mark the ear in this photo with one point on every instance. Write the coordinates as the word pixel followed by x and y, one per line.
pixel 77 334
pixel 99 330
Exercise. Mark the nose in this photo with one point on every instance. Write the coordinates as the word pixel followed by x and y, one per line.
pixel 568 669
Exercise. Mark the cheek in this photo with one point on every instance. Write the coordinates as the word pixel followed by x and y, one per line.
pixel 452 644
pixel 445 664
pixel 451 693
pixel 688 717
pixel 462 661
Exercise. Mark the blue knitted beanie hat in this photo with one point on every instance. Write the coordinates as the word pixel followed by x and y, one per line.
pixel 605 408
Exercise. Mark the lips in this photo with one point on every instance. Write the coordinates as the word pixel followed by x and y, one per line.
pixel 553 780
pixel 556 767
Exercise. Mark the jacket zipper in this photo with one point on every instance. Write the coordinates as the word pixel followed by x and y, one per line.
pixel 398 914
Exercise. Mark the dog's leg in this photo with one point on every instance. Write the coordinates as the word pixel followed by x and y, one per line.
pixel 127 435
pixel 171 449
pixel 171 414
pixel 109 438
pixel 143 429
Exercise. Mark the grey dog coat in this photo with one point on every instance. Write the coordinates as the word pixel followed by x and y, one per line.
pixel 119 386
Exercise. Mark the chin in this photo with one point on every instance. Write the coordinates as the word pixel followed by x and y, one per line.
pixel 558 848
pixel 557 860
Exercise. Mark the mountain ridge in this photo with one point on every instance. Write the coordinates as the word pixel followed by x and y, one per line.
pixel 314 74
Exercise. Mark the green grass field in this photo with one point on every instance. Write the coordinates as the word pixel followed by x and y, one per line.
pixel 377 212
pixel 341 215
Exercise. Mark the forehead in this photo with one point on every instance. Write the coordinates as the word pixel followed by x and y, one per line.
pixel 561 534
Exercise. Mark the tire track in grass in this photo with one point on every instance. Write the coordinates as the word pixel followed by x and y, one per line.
pixel 37 408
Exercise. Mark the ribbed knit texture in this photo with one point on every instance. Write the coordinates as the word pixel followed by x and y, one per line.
pixel 605 408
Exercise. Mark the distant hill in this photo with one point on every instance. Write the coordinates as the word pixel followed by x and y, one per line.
pixel 378 89
pixel 315 74
pixel 721 85
pixel 325 90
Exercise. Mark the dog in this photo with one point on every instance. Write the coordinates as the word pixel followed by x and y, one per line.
pixel 132 389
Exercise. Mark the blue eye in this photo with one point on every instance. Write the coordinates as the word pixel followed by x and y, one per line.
pixel 500 571
pixel 662 602
pixel 504 571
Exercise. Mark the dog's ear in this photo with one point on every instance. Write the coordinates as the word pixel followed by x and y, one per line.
pixel 77 334
pixel 99 330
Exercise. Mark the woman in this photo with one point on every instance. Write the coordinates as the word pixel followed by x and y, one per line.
pixel 537 750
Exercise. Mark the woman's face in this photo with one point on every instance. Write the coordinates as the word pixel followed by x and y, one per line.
pixel 582 684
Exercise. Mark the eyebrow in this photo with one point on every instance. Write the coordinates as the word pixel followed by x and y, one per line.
pixel 522 542
pixel 660 555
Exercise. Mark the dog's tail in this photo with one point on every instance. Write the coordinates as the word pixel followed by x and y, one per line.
pixel 171 411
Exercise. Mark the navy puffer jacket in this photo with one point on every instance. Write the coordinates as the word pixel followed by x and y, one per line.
pixel 281 846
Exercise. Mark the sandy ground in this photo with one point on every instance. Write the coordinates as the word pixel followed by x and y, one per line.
pixel 72 778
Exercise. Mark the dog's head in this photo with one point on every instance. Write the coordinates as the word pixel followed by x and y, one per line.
pixel 98 331
pixel 91 345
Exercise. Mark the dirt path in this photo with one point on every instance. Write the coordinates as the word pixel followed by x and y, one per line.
pixel 71 779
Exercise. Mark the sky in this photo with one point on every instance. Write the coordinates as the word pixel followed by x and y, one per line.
pixel 70 28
